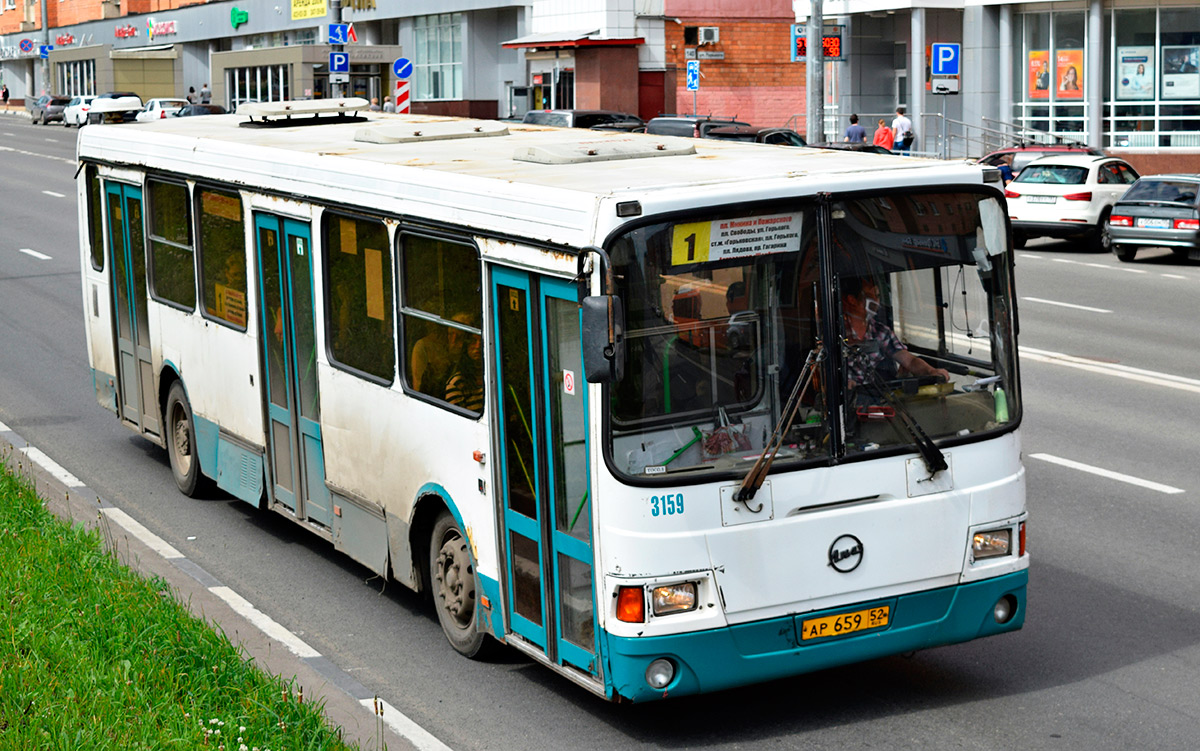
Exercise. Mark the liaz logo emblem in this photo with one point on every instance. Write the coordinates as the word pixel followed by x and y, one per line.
pixel 845 554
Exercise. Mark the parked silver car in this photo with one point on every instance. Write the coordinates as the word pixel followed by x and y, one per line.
pixel 46 109
pixel 1158 211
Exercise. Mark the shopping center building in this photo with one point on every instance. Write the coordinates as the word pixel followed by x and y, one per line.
pixel 1123 75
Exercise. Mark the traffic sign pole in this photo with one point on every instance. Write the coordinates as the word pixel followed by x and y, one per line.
pixel 403 69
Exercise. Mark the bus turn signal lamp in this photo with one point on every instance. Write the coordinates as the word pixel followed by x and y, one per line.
pixel 631 604
pixel 990 544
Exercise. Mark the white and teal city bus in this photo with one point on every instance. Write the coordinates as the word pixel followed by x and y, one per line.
pixel 666 415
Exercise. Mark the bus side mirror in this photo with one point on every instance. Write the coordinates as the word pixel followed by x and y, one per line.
pixel 603 328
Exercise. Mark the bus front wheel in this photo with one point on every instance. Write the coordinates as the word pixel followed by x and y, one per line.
pixel 452 576
pixel 181 441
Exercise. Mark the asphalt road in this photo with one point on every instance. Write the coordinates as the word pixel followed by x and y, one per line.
pixel 1109 657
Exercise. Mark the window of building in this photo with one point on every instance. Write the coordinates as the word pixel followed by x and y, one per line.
pixel 358 282
pixel 257 83
pixel 95 192
pixel 172 265
pixel 442 310
pixel 438 61
pixel 222 255
pixel 76 77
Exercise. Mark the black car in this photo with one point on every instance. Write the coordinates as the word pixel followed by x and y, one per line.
pixel 751 134
pixel 690 126
pixel 846 146
pixel 193 110
pixel 46 108
pixel 1158 211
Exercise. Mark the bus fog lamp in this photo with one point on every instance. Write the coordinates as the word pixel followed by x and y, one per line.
pixel 1004 609
pixel 991 544
pixel 660 673
pixel 674 598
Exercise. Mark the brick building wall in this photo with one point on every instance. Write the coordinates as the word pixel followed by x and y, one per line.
pixel 756 81
pixel 70 12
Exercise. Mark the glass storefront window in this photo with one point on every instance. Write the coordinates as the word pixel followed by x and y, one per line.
pixel 439 58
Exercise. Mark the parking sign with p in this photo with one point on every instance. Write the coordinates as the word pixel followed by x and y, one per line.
pixel 946 59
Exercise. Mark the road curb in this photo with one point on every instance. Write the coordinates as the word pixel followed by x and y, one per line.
pixel 348 704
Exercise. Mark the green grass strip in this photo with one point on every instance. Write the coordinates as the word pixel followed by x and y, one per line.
pixel 93 656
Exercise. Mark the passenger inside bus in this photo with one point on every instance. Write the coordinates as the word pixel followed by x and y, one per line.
pixel 464 387
pixel 437 353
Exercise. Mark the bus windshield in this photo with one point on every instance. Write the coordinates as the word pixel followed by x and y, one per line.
pixel 904 301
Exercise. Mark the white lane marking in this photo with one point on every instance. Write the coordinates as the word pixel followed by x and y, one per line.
pixel 34 153
pixel 4 428
pixel 1032 255
pixel 1112 369
pixel 1175 276
pixel 405 727
pixel 52 193
pixel 54 468
pixel 35 254
pixel 1108 473
pixel 264 622
pixel 1066 305
pixel 1110 267
pixel 133 527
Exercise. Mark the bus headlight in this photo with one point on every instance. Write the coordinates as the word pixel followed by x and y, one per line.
pixel 991 544
pixel 674 598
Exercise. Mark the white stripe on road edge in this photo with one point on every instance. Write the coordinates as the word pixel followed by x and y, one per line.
pixel 1066 305
pixel 133 527
pixel 34 153
pixel 52 193
pixel 35 254
pixel 264 622
pixel 406 728
pixel 1101 266
pixel 1120 371
pixel 51 466
pixel 1175 276
pixel 4 428
pixel 1108 473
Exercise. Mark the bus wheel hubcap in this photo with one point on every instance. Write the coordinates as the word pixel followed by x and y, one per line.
pixel 183 443
pixel 456 583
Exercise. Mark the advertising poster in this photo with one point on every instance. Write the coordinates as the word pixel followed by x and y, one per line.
pixel 1135 73
pixel 1180 72
pixel 1068 72
pixel 1039 74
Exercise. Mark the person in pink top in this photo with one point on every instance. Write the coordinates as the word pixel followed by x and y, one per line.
pixel 884 136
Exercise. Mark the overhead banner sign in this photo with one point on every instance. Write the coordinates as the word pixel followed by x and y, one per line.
pixel 306 9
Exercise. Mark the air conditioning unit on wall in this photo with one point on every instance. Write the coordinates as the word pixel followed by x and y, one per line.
pixel 709 34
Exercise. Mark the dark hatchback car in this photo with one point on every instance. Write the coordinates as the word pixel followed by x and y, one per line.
pixel 1158 211
pixel 751 134
pixel 192 110
pixel 690 126
pixel 1025 153
pixel 46 109
pixel 595 119
pixel 870 148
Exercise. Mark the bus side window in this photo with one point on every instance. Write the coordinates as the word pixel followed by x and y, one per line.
pixel 359 284
pixel 95 211
pixel 222 255
pixel 442 306
pixel 172 267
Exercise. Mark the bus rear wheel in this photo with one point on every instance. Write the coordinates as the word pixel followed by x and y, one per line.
pixel 452 579
pixel 181 441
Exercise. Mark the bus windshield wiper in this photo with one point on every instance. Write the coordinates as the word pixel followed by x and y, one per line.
pixel 754 478
pixel 935 460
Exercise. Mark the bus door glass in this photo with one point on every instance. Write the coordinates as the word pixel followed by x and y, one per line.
pixel 289 352
pixel 543 466
pixel 127 243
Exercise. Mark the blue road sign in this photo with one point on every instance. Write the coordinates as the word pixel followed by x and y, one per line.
pixel 339 62
pixel 693 75
pixel 403 68
pixel 26 45
pixel 44 50
pixel 947 59
pixel 339 33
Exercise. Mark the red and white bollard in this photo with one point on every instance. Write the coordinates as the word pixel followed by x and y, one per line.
pixel 403 106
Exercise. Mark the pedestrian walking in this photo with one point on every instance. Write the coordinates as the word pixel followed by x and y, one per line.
pixel 191 95
pixel 205 94
pixel 883 135
pixel 4 95
pixel 388 105
pixel 855 133
pixel 375 105
pixel 902 131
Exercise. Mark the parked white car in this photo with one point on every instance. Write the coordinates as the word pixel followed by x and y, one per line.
pixel 75 113
pixel 1069 196
pixel 158 109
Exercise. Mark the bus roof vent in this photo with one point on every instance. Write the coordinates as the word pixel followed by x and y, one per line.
pixel 434 130
pixel 605 150
pixel 310 111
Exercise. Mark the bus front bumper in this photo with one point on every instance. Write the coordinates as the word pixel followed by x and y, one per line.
pixel 717 659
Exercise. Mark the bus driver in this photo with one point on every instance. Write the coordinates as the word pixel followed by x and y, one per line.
pixel 875 339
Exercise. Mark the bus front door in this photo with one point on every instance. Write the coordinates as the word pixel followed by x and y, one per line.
pixel 543 468
pixel 289 343
pixel 135 372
